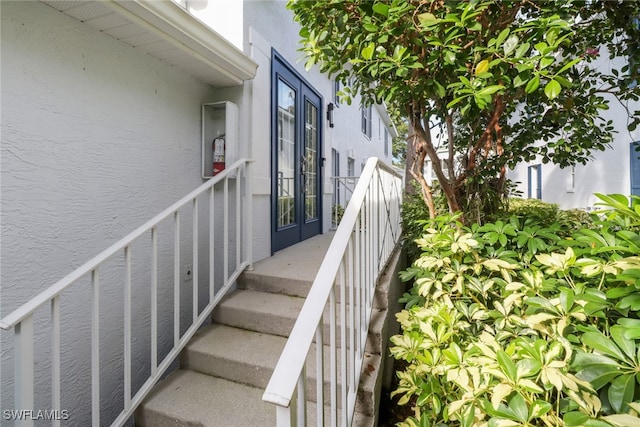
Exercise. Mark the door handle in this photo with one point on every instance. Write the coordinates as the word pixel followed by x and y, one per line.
pixel 303 174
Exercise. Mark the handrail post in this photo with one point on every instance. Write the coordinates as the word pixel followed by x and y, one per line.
pixel 249 213
pixel 24 367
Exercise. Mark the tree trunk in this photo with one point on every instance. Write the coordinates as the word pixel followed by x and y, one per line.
pixel 410 159
pixel 424 144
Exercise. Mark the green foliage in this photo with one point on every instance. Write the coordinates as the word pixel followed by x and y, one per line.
pixel 414 220
pixel 542 213
pixel 399 143
pixel 623 210
pixel 545 214
pixel 512 324
pixel 497 77
pixel 414 214
pixel 337 212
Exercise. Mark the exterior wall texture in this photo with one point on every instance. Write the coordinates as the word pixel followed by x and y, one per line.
pixel 607 172
pixel 96 139
pixel 261 36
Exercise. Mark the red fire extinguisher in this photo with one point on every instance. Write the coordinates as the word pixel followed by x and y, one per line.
pixel 219 147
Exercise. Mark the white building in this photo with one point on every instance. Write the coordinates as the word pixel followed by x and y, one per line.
pixel 109 114
pixel 616 170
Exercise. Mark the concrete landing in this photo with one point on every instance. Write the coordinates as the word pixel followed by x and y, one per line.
pixel 290 271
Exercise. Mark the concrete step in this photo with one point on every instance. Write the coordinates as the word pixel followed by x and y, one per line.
pixel 259 311
pixel 226 365
pixel 191 399
pixel 249 358
pixel 238 355
pixel 274 283
pixel 269 280
pixel 188 398
pixel 276 314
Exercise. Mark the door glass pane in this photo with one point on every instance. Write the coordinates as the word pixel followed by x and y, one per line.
pixel 286 154
pixel 310 161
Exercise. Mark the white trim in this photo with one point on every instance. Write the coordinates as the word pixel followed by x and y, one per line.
pixel 206 54
pixel 382 111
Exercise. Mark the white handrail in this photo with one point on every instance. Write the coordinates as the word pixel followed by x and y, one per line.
pixel 22 319
pixel 47 295
pixel 363 242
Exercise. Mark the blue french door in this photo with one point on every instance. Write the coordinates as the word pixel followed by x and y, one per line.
pixel 296 148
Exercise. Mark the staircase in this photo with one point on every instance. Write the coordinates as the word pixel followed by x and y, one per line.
pixel 226 366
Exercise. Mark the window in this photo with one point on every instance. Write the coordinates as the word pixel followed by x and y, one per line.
pixel 351 166
pixel 571 181
pixel 386 142
pixel 443 165
pixel 336 89
pixel 366 120
pixel 535 182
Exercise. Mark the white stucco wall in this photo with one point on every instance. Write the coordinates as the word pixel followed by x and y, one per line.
pixel 268 24
pixel 96 139
pixel 607 172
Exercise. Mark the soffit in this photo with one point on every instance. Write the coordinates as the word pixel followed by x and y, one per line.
pixel 167 32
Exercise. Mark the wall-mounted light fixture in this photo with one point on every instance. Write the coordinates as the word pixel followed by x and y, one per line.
pixel 330 114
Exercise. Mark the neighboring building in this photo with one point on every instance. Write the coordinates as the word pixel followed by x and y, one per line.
pixel 616 170
pixel 102 129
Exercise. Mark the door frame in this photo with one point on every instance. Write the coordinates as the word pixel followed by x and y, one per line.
pixel 301 230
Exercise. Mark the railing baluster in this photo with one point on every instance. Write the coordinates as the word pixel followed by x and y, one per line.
pixel 352 314
pixel 356 271
pixel 249 213
pixel 212 242
pixel 301 410
pixel 95 349
pixel 285 416
pixel 225 268
pixel 23 333
pixel 127 328
pixel 154 300
pixel 369 236
pixel 55 356
pixel 320 373
pixel 238 222
pixel 176 279
pixel 194 265
pixel 343 342
pixel 372 250
pixel 333 356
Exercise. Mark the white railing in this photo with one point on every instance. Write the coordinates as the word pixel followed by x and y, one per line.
pixel 240 257
pixel 364 241
pixel 343 187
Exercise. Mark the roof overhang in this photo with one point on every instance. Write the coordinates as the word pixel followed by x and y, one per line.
pixel 166 31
